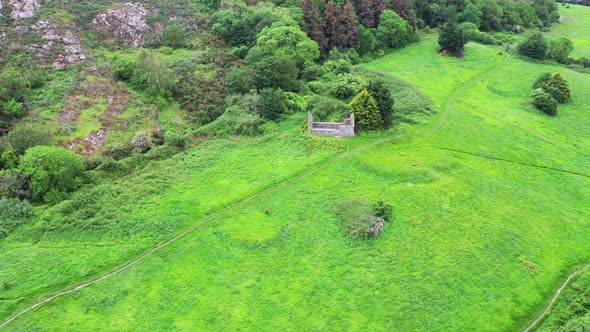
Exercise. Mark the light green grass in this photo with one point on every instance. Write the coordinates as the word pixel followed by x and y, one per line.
pixel 576 26
pixel 488 197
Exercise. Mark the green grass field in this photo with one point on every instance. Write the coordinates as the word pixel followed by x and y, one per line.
pixel 487 225
pixel 576 26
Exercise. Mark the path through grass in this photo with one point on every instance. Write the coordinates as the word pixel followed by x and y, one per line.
pixel 476 244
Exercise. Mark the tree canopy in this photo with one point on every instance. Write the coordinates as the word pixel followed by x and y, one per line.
pixel 51 169
pixel 366 112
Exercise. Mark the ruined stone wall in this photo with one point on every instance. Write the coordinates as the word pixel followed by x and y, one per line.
pixel 335 129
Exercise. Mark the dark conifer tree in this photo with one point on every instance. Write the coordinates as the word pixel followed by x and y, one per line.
pixel 365 13
pixel 331 25
pixel 377 8
pixel 402 8
pixel 347 28
pixel 314 24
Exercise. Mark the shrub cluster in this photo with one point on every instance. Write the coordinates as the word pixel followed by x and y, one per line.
pixel 549 90
pixel 13 212
pixel 363 220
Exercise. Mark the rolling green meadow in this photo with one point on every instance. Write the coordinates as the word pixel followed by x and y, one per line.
pixel 491 215
pixel 490 200
pixel 576 27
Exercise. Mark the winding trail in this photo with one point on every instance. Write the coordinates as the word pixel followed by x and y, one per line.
pixel 446 111
pixel 556 297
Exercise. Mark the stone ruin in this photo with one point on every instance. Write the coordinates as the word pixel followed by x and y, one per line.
pixel 335 129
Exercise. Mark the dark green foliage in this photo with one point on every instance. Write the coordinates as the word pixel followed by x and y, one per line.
pixel 124 68
pixel 572 312
pixel 314 23
pixel 337 67
pixel 24 137
pixel 312 72
pixel 544 101
pixel 345 86
pixel 176 140
pixel 202 96
pixel 546 11
pixel 560 49
pixel 534 45
pixel 13 87
pixel 13 108
pixel 272 104
pixel 559 88
pixel 366 42
pixel 383 210
pixel 471 14
pixel 13 212
pixel 452 39
pixel 240 79
pixel 555 85
pixel 51 169
pixel 174 36
pixel 276 72
pixel 366 112
pixel 241 28
pixel 285 39
pixel 379 90
pixel 541 80
pixel 328 109
pixel 393 31
pixel 491 15
pixel 473 34
pixel 8 158
pixel 584 62
pixel 14 185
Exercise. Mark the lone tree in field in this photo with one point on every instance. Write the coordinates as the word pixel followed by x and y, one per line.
pixel 452 39
pixel 534 45
pixel 559 88
pixel 366 112
pixel 555 85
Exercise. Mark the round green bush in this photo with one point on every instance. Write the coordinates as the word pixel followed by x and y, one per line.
pixel 51 168
pixel 544 101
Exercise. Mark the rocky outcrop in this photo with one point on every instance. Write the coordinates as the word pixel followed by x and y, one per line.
pixel 59 44
pixel 69 47
pixel 127 23
pixel 20 9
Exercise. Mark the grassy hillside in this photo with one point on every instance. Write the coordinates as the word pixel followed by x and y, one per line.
pixel 576 26
pixel 487 223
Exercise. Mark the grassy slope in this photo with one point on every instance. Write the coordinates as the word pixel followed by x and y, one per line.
pixel 576 26
pixel 129 215
pixel 478 243
pixel 571 306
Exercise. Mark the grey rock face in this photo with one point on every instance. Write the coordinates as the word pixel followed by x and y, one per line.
pixel 127 23
pixel 20 9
